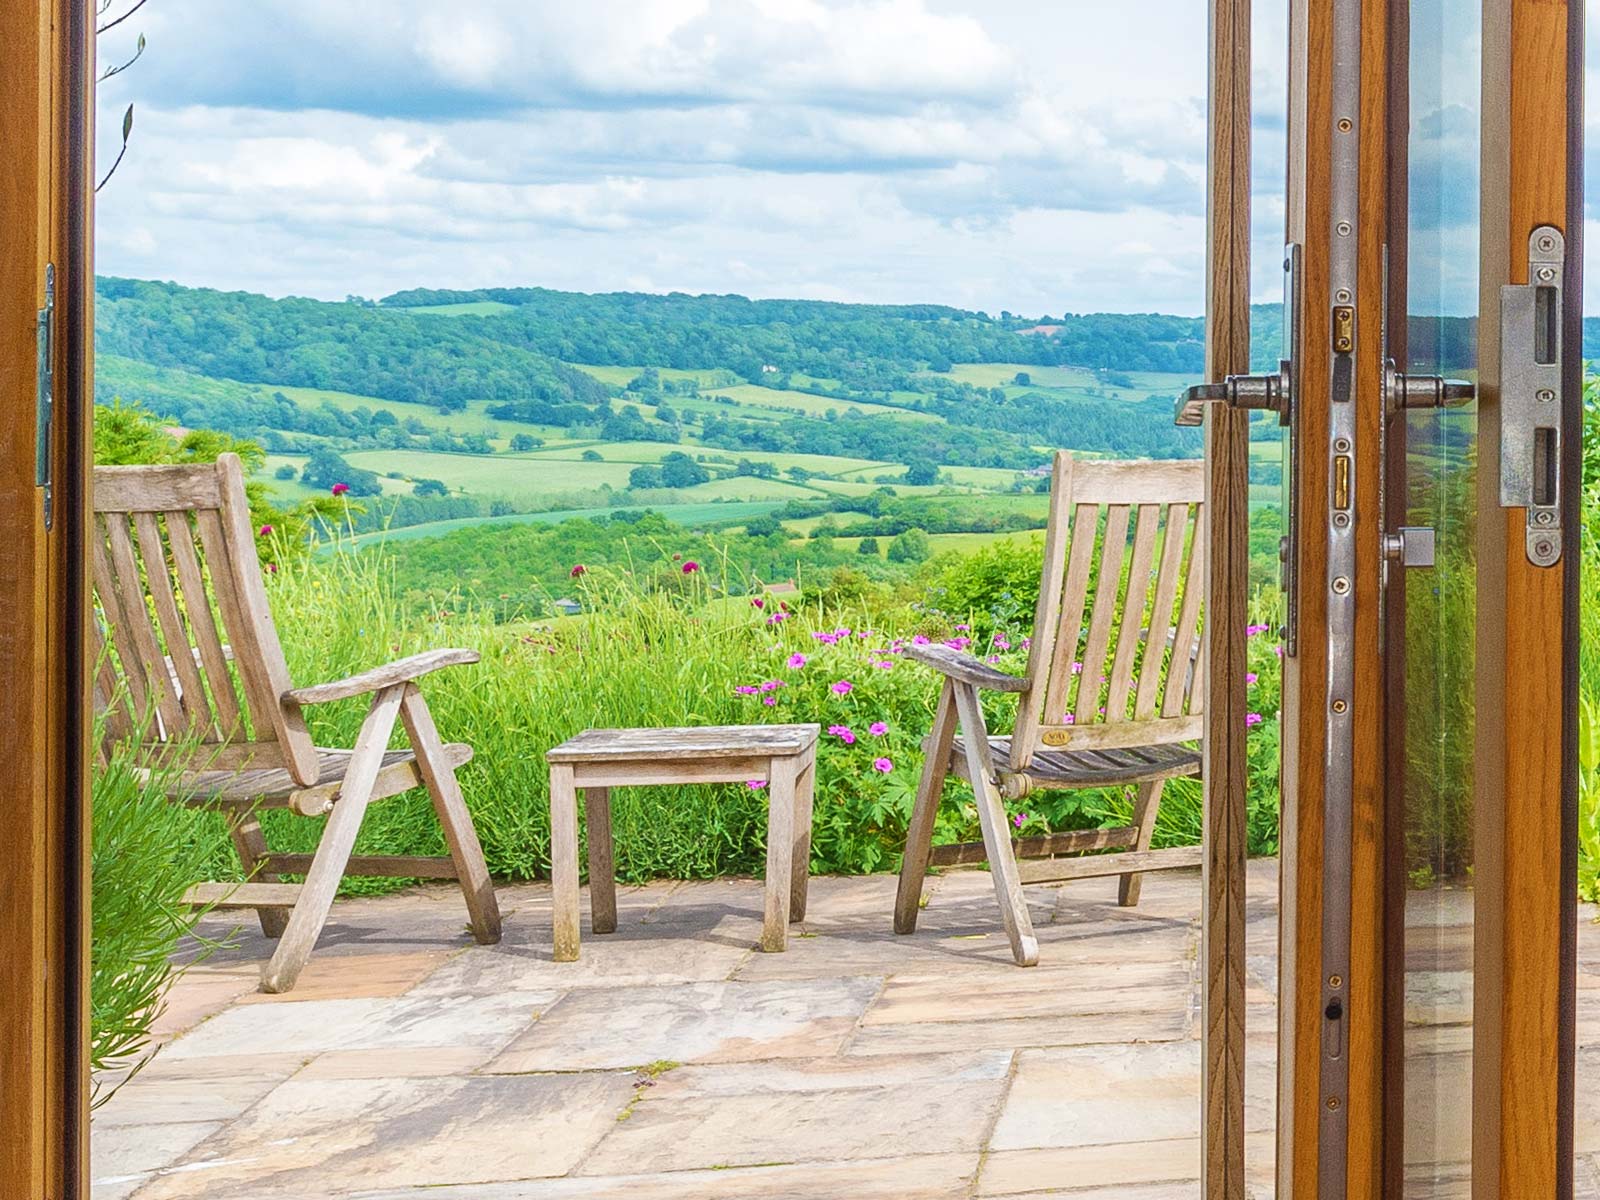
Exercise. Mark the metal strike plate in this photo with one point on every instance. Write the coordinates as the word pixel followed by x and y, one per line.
pixel 1530 394
pixel 44 393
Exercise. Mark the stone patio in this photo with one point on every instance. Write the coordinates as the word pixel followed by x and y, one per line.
pixel 675 1061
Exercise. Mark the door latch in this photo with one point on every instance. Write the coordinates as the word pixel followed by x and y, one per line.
pixel 1401 392
pixel 44 393
pixel 1531 394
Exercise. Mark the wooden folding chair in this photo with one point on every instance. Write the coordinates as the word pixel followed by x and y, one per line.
pixel 194 666
pixel 1109 703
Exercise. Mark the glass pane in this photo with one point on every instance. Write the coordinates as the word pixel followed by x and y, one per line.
pixel 1442 302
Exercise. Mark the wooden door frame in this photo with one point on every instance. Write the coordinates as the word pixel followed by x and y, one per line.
pixel 1524 1037
pixel 46 204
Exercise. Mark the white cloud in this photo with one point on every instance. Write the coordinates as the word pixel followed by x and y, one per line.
pixel 1040 158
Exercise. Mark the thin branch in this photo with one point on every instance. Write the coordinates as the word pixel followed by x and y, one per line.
pixel 137 55
pixel 113 24
pixel 127 130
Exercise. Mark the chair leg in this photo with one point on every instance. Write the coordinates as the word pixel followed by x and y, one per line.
pixel 251 846
pixel 1144 820
pixel 996 833
pixel 472 873
pixel 800 866
pixel 602 866
pixel 338 840
pixel 919 834
pixel 781 779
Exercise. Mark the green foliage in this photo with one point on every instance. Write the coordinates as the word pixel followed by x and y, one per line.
pixel 868 547
pixel 912 546
pixel 429 487
pixel 921 474
pixel 327 470
pixel 146 853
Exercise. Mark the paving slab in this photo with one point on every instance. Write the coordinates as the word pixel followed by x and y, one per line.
pixel 695 1022
pixel 329 1137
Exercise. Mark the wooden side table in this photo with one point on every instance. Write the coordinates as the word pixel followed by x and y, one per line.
pixel 784 756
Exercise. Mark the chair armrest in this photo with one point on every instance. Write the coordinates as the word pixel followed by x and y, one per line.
pixel 957 664
pixel 401 671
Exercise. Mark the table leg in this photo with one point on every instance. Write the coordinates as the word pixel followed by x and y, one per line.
pixel 781 789
pixel 602 869
pixel 564 861
pixel 800 865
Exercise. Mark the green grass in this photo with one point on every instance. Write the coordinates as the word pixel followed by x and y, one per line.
pixel 748 395
pixel 622 376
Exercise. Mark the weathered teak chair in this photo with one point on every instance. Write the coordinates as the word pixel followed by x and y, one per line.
pixel 179 591
pixel 1110 703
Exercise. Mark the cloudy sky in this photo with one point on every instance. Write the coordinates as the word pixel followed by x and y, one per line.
pixel 996 154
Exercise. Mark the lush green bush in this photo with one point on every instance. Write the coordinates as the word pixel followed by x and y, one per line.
pixel 146 852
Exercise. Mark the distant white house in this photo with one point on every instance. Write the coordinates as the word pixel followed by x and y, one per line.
pixel 568 607
pixel 768 369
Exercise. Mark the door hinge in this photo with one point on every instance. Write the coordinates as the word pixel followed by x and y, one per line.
pixel 44 395
pixel 1531 394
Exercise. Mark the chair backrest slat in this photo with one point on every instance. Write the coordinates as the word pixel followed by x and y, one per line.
pixel 1135 553
pixel 191 586
pixel 178 584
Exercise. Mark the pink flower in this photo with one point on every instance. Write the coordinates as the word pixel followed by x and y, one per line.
pixel 578 570
pixel 1000 642
pixel 1067 719
pixel 340 489
pixel 963 628
pixel 758 602
pixel 777 617
pixel 1253 630
pixel 843 733
pixel 272 568
pixel 769 701
pixel 690 567
pixel 843 688
pixel 959 643
pixel 1253 719
pixel 1278 650
pixel 768 685
pixel 747 689
pixel 755 785
pixel 266 531
pixel 797 660
pixel 1077 668
pixel 1020 820
pixel 920 640
pixel 883 764
pixel 878 728
pixel 1026 642
pixel 1251 677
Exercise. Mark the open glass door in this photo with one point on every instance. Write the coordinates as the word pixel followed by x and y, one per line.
pixel 1426 993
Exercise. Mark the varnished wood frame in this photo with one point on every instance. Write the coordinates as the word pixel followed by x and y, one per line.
pixel 1311 128
pixel 1526 764
pixel 46 197
pixel 1227 518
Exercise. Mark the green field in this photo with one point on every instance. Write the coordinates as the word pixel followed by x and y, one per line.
pixel 514 477
pixel 691 516
pixel 623 376
pixel 751 396
pixel 473 308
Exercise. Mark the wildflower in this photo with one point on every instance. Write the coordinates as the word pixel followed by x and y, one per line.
pixel 959 643
pixel 340 489
pixel 885 665
pixel 1278 650
pixel 690 567
pixel 827 639
pixel 841 632
pixel 776 617
pixel 1077 668
pixel 1020 820
pixel 1026 642
pixel 1000 642
pixel 1254 630
pixel 1251 677
pixel 878 728
pixel 843 688
pixel 272 568
pixel 1067 719
pixel 797 660
pixel 994 658
pixel 746 689
pixel 755 785
pixel 578 571
pixel 844 733
pixel 920 640
pixel 768 685
pixel 769 701
pixel 266 531
pixel 1252 719
pixel 883 764
pixel 758 602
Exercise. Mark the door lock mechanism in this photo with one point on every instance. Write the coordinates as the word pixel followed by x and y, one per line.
pixel 1401 392
pixel 1274 393
pixel 1410 546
